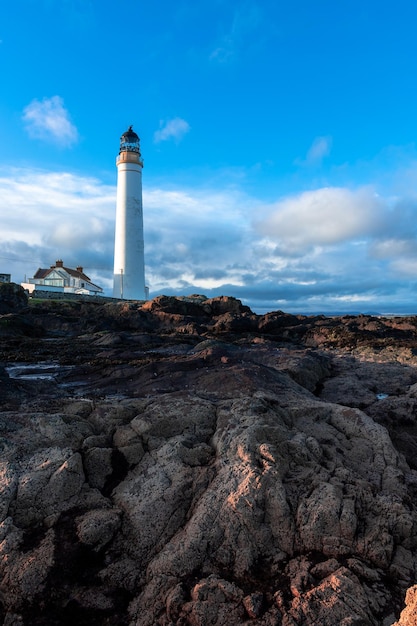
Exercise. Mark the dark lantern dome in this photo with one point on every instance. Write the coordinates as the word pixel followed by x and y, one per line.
pixel 130 136
pixel 129 141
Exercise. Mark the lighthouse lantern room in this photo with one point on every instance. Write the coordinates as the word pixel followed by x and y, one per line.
pixel 129 261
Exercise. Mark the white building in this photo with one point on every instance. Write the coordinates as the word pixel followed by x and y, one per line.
pixel 129 260
pixel 62 279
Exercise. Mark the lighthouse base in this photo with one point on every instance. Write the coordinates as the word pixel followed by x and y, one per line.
pixel 125 289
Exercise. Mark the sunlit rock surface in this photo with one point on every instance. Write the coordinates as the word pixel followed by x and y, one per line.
pixel 189 463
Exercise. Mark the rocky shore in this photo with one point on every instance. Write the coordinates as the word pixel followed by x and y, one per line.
pixel 185 462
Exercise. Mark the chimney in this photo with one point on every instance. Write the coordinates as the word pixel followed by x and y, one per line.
pixel 59 263
pixel 80 269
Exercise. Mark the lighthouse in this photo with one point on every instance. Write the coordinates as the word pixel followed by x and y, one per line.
pixel 129 260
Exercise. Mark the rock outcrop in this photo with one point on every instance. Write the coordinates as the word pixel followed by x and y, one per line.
pixel 188 463
pixel 12 298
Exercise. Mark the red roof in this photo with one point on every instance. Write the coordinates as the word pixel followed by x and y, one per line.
pixel 41 273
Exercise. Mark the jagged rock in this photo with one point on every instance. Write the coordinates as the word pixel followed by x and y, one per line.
pixel 98 466
pixel 129 444
pixel 362 384
pixel 49 482
pixel 338 599
pixel 8 487
pixel 214 601
pixel 177 306
pixel 225 304
pixel 97 527
pixel 253 604
pixel 24 573
pixel 307 369
pixel 409 614
pixel 198 464
pixel 12 298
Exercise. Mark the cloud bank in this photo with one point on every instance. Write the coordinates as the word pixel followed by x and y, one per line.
pixel 325 250
pixel 49 120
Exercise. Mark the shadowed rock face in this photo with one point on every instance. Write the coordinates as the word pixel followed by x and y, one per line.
pixel 12 298
pixel 191 463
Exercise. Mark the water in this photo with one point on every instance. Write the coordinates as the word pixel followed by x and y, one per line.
pixel 35 371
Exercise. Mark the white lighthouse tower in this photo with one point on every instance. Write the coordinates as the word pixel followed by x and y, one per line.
pixel 129 260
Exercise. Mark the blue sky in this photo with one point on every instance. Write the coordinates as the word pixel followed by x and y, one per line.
pixel 278 140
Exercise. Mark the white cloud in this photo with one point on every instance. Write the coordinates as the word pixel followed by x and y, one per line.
pixel 49 120
pixel 49 215
pixel 195 237
pixel 172 129
pixel 319 149
pixel 323 217
pixel 393 248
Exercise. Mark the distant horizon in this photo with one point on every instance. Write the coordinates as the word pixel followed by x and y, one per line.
pixel 279 146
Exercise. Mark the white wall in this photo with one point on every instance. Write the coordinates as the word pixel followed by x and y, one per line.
pixel 129 264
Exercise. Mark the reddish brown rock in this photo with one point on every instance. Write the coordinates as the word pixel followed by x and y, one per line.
pixel 409 614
